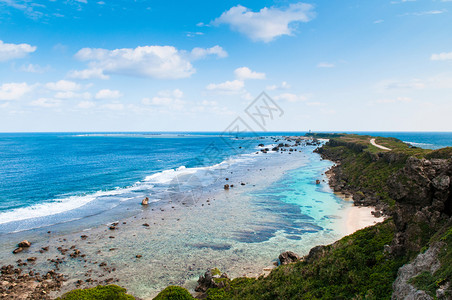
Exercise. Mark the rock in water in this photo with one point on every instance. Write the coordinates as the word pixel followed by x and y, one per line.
pixel 145 201
pixel 18 250
pixel 288 257
pixel 24 244
pixel 317 181
pixel 226 186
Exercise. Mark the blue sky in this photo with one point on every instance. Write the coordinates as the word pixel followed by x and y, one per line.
pixel 196 65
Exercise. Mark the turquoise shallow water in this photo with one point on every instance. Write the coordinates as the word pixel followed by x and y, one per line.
pixel 194 223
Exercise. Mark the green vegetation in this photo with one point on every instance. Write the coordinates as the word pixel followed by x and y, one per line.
pixel 356 267
pixel 174 293
pixel 108 292
pixel 431 282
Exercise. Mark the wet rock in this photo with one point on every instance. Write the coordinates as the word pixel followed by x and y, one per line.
pixel 146 225
pixel 83 237
pixel 32 259
pixel 139 256
pixel 288 257
pixel 24 244
pixel 145 201
pixel 18 250
pixel 317 181
pixel 226 186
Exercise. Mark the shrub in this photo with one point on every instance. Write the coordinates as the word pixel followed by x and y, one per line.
pixel 174 293
pixel 108 292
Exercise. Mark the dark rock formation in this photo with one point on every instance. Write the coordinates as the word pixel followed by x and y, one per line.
pixel 288 257
pixel 211 279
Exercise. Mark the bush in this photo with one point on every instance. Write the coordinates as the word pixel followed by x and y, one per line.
pixel 174 293
pixel 108 292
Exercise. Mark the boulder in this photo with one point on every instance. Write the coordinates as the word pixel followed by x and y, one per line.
pixel 24 244
pixel 211 279
pixel 18 250
pixel 145 201
pixel 288 257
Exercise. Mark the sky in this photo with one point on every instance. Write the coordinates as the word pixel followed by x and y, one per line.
pixel 350 65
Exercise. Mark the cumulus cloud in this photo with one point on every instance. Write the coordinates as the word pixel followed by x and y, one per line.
pixel 442 56
pixel 46 102
pixel 283 86
pixel 63 85
pixel 31 68
pixel 108 94
pixel 88 74
pixel 14 91
pixel 227 86
pixel 268 23
pixel 290 97
pixel 166 98
pixel 13 51
pixel 245 73
pixel 72 95
pixel 162 62
pixel 198 53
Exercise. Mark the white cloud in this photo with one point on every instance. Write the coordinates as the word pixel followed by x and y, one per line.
pixel 46 102
pixel 227 86
pixel 163 62
pixel 325 65
pixel 30 68
pixel 414 84
pixel 63 85
pixel 86 104
pixel 166 98
pixel 442 56
pixel 268 23
pixel 394 100
pixel 245 73
pixel 108 94
pixel 291 97
pixel 114 106
pixel 198 53
pixel 12 51
pixel 284 86
pixel 72 95
pixel 88 74
pixel 14 91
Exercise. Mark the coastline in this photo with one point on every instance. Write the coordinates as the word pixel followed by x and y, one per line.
pixel 104 259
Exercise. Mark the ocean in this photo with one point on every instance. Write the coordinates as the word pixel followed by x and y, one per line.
pixel 55 186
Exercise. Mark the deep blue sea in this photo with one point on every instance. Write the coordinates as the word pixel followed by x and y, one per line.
pixel 67 174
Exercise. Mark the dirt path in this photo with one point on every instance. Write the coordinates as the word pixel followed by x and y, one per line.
pixel 372 141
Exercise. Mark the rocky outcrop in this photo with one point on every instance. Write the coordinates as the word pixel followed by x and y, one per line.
pixel 424 262
pixel 211 279
pixel 288 257
pixel 423 196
